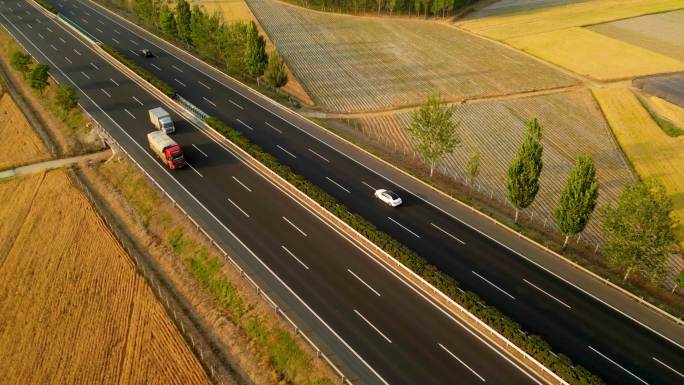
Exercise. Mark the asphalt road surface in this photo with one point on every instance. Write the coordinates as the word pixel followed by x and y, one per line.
pixel 375 325
pixel 594 335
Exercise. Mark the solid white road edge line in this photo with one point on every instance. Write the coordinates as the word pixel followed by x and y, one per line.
pixel 461 361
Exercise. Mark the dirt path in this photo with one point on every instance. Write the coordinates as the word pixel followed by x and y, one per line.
pixel 55 163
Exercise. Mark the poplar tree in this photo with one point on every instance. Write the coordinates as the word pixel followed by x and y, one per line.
pixel 640 230
pixel 434 131
pixel 678 281
pixel 255 52
pixel 472 167
pixel 578 199
pixel 275 73
pixel 167 22
pixel 183 16
pixel 523 173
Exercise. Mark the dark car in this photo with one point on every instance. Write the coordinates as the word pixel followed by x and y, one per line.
pixel 146 53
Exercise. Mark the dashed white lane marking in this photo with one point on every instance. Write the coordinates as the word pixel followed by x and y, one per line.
pixel 203 85
pixel 100 21
pixel 618 365
pixel 53 47
pixel 116 32
pixel 84 74
pixel 99 30
pixel 548 294
pixel 238 207
pixel 245 124
pixel 363 282
pixel 295 257
pixel 445 232
pixel 137 100
pixel 274 128
pixel 235 104
pixel 94 66
pixel 404 227
pixel 49 29
pixel 77 53
pixel 369 186
pixel 461 361
pixel 84 20
pixel 198 149
pixel 668 366
pixel 134 42
pixel 129 113
pixel 490 282
pixel 105 92
pixel 152 64
pixel 209 101
pixel 67 59
pixel 176 68
pixel 373 326
pixel 194 169
pixel 319 155
pixel 179 82
pixel 115 41
pixel 242 184
pixel 287 152
pixel 295 226
pixel 338 185
pixel 41 36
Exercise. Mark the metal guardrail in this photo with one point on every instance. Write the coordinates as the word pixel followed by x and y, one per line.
pixel 192 108
pixel 78 29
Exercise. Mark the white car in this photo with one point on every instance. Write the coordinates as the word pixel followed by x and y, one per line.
pixel 388 197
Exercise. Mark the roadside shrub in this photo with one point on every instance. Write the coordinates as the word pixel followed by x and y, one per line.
pixel 21 62
pixel 532 344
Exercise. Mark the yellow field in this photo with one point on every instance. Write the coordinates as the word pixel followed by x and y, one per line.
pixel 653 153
pixel 19 144
pixel 592 54
pixel 230 10
pixel 548 19
pixel 72 308
pixel 667 110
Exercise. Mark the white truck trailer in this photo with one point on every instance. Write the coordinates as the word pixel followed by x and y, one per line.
pixel 166 149
pixel 162 120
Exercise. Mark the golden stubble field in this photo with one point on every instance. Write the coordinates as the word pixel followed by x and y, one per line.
pixel 19 144
pixel 72 308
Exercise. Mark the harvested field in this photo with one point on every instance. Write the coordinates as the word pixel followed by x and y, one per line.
pixel 573 125
pixel 20 144
pixel 72 308
pixel 592 54
pixel 668 87
pixel 352 64
pixel 666 110
pixel 660 33
pixel 230 10
pixel 653 153
pixel 546 19
pixel 508 7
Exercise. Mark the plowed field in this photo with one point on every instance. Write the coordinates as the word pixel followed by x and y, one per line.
pixel 72 308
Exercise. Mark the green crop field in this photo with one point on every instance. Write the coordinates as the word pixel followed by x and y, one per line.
pixel 573 125
pixel 352 64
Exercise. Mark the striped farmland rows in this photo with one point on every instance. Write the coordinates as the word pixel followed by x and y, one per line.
pixel 352 64
pixel 661 32
pixel 573 125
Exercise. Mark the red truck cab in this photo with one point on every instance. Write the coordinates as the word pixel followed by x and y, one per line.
pixel 166 149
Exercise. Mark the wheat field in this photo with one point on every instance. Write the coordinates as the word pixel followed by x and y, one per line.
pixel 594 55
pixel 667 110
pixel 19 144
pixel 72 308
pixel 661 32
pixel 353 64
pixel 575 14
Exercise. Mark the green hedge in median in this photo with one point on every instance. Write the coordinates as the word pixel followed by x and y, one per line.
pixel 532 344
pixel 143 73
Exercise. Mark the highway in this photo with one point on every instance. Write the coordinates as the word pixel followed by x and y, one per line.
pixel 376 326
pixel 594 335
